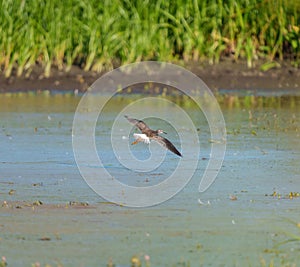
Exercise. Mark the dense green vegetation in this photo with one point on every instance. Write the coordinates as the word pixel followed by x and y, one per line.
pixel 99 34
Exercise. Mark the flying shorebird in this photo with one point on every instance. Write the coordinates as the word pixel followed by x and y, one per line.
pixel 149 134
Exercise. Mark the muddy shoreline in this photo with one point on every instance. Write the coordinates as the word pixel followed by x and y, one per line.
pixel 225 75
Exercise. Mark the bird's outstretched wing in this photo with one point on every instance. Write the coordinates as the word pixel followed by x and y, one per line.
pixel 140 124
pixel 166 143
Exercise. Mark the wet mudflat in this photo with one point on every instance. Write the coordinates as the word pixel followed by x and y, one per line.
pixel 248 217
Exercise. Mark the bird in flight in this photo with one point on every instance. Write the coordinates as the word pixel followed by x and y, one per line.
pixel 149 134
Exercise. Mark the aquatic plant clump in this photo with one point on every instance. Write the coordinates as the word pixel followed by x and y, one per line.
pixel 98 35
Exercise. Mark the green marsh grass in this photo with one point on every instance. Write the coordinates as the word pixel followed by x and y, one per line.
pixel 98 35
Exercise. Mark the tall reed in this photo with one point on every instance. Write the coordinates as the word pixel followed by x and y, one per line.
pixel 96 35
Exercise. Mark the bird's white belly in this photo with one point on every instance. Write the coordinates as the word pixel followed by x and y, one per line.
pixel 141 138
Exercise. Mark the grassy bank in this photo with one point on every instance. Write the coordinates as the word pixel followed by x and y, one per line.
pixel 99 34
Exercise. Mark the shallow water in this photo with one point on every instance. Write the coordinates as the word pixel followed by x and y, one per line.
pixel 37 162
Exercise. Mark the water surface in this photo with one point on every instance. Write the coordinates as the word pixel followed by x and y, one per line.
pixel 239 223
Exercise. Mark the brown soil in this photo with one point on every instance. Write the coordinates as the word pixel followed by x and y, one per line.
pixel 225 75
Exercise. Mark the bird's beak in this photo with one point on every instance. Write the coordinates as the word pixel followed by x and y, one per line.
pixel 164 132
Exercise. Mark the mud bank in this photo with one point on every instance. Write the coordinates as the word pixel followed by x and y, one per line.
pixel 225 75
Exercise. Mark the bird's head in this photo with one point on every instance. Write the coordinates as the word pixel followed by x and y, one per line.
pixel 161 131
